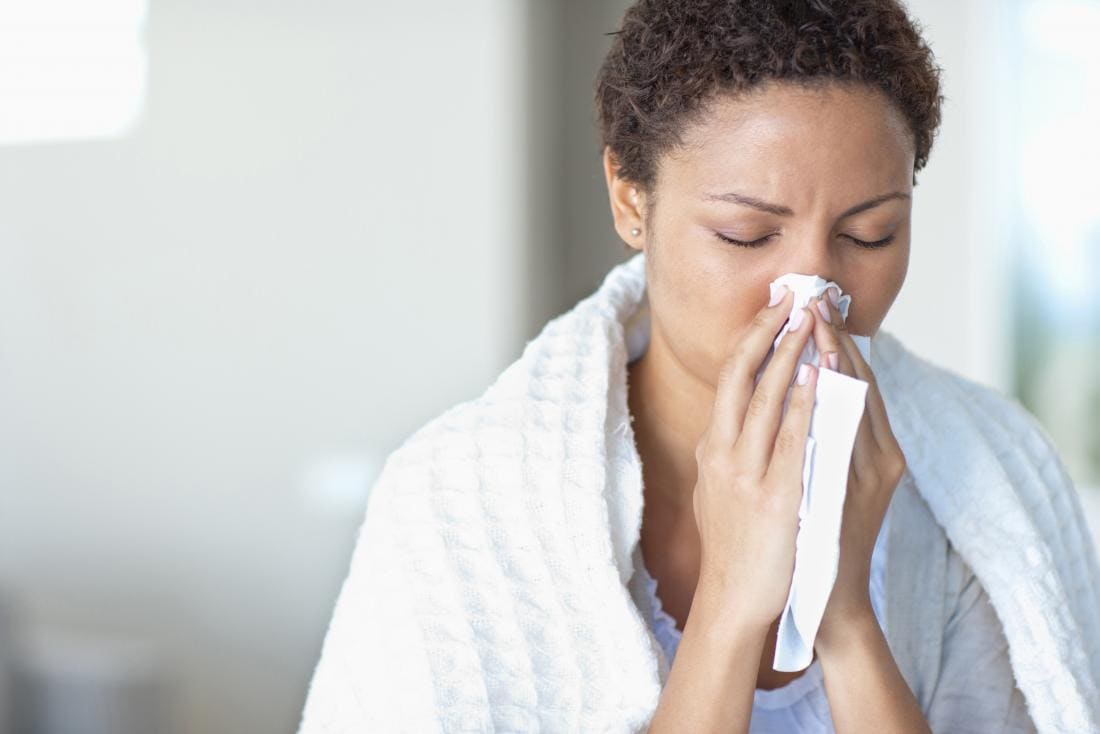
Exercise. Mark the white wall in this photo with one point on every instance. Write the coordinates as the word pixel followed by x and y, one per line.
pixel 311 244
pixel 952 309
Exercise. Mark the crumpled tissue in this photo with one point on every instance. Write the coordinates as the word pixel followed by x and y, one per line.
pixel 838 407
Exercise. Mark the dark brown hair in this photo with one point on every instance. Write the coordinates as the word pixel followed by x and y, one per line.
pixel 672 57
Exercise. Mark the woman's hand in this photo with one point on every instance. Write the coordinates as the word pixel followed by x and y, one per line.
pixel 747 493
pixel 865 689
pixel 877 466
pixel 749 483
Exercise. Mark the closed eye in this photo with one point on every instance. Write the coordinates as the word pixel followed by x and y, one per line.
pixel 759 242
pixel 871 245
pixel 742 243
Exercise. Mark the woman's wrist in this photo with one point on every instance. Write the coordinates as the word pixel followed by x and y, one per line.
pixel 839 630
pixel 865 688
pixel 710 687
pixel 725 621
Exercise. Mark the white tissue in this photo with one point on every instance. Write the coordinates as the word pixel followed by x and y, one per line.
pixel 838 408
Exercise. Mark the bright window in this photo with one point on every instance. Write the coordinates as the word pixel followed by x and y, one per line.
pixel 70 69
pixel 1054 59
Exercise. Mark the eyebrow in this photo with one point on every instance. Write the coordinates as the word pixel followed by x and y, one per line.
pixel 784 211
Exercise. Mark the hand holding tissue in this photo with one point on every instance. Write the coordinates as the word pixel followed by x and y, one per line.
pixel 838 407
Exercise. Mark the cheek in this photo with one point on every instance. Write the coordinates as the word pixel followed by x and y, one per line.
pixel 875 294
pixel 705 308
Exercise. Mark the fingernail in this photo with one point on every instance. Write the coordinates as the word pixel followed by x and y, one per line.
pixel 833 360
pixel 778 296
pixel 803 373
pixel 823 308
pixel 796 319
pixel 833 297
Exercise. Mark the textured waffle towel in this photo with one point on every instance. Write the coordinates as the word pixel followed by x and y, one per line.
pixel 488 586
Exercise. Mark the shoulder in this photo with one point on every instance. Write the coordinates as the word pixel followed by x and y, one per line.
pixel 947 399
pixel 984 463
pixel 419 464
pixel 1022 444
pixel 456 431
pixel 449 460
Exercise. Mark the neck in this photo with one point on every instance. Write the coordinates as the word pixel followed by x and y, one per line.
pixel 671 408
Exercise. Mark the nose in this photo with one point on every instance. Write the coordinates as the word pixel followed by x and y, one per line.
pixel 813 255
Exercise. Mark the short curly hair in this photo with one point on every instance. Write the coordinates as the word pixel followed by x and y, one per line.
pixel 671 58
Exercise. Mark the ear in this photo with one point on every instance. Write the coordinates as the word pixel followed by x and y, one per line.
pixel 627 204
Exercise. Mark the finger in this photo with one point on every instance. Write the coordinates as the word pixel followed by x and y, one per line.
pixel 825 336
pixel 789 456
pixel 865 449
pixel 876 406
pixel 851 354
pixel 738 371
pixel 836 334
pixel 840 330
pixel 765 407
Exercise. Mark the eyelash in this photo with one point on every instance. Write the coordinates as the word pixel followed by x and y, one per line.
pixel 758 243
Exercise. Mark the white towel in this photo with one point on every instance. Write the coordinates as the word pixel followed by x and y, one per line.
pixel 488 587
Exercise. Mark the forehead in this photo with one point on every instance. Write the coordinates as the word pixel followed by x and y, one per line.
pixel 783 134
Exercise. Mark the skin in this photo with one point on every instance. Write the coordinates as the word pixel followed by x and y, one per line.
pixel 818 153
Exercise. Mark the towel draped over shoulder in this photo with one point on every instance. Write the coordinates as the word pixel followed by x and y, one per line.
pixel 488 588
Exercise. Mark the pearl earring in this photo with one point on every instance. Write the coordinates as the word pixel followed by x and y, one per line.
pixel 635 232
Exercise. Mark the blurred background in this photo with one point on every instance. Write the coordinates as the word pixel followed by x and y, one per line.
pixel 247 248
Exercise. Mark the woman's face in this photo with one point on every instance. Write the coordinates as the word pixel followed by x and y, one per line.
pixel 806 173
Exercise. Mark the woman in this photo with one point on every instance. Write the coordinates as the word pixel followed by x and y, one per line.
pixel 603 541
